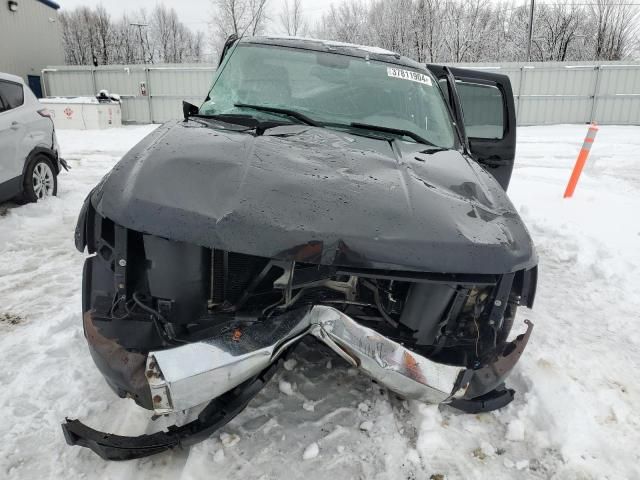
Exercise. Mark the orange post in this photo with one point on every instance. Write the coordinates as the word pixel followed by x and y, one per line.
pixel 581 160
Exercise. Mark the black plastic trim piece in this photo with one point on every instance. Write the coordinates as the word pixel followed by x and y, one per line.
pixel 216 414
pixel 10 188
pixel 422 277
pixel 490 377
pixel 50 4
pixel 488 402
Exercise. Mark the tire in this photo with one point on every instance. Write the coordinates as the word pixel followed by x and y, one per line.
pixel 40 180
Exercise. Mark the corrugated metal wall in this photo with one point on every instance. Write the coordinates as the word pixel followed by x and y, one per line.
pixel 30 38
pixel 545 93
pixel 552 93
pixel 152 94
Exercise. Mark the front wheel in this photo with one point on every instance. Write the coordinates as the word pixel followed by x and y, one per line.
pixel 39 180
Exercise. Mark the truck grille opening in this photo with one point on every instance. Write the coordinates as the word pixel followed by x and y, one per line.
pixel 188 290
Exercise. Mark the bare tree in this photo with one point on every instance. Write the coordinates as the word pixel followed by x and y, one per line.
pixel 172 40
pixel 558 29
pixel 427 30
pixel 196 45
pixel 291 18
pixel 80 35
pixel 89 20
pixel 104 33
pixel 258 16
pixel 487 30
pixel 347 22
pixel 125 43
pixel 72 52
pixel 237 17
pixel 468 27
pixel 616 28
pixel 87 33
pixel 390 24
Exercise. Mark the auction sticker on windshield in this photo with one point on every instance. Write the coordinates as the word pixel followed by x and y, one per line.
pixel 409 75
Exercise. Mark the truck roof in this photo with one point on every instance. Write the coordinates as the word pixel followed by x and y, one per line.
pixel 351 49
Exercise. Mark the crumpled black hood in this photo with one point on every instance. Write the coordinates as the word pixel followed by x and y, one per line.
pixel 319 196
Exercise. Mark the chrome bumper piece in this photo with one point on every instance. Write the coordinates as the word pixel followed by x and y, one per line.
pixel 189 375
pixel 210 370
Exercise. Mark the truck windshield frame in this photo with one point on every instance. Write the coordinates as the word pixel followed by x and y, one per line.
pixel 333 89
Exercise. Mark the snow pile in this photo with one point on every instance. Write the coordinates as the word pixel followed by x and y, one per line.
pixel 311 451
pixel 575 415
pixel 285 387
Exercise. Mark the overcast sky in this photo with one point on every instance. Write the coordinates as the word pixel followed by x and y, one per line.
pixel 195 13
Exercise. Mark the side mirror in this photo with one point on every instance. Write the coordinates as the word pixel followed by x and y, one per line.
pixel 188 109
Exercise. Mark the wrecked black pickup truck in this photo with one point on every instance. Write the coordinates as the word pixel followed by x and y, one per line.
pixel 322 189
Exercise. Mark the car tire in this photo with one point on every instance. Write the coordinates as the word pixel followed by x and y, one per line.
pixel 40 180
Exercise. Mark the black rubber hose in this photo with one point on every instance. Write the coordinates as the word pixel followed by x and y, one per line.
pixel 163 331
pixel 376 296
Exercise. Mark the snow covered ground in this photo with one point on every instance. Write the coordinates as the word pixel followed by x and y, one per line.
pixel 575 415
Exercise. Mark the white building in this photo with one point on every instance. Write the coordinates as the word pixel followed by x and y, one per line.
pixel 30 39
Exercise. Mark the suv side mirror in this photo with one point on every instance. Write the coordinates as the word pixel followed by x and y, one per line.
pixel 188 109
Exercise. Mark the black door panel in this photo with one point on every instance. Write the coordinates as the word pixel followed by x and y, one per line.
pixel 486 108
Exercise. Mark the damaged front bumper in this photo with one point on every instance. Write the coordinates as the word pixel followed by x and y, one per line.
pixel 233 366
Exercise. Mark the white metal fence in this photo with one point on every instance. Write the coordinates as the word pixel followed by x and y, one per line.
pixel 150 94
pixel 545 93
pixel 551 93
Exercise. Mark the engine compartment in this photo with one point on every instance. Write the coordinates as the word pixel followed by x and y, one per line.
pixel 148 293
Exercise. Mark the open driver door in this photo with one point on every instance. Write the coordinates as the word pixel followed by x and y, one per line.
pixel 483 107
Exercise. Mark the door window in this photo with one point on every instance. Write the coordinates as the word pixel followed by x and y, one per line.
pixel 483 109
pixel 35 85
pixel 11 95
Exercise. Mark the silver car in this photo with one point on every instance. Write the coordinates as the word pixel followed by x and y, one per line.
pixel 29 153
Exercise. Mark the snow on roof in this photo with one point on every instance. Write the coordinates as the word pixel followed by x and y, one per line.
pixel 69 100
pixel 366 48
pixel 332 43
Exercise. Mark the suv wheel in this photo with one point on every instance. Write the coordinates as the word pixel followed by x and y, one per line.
pixel 40 180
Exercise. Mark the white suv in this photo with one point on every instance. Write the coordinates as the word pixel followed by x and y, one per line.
pixel 29 154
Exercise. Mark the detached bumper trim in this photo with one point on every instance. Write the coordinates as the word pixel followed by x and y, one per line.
pixel 493 375
pixel 216 414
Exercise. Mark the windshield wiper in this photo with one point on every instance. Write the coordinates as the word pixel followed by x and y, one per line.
pixel 236 119
pixel 249 122
pixel 394 131
pixel 284 111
